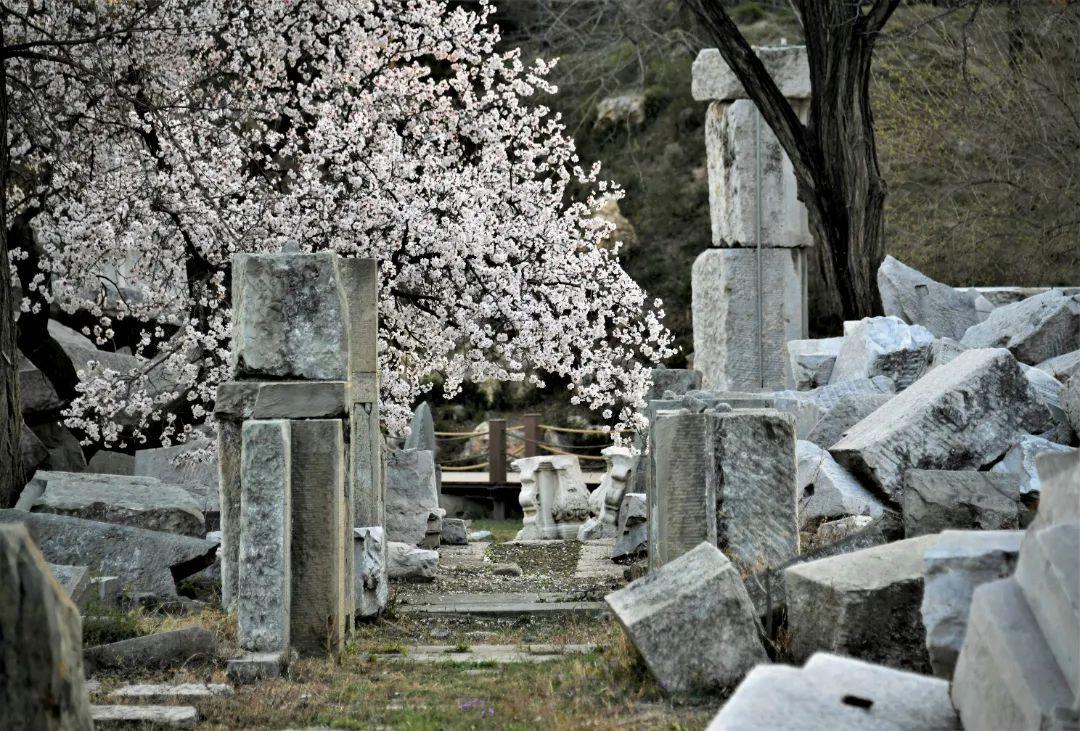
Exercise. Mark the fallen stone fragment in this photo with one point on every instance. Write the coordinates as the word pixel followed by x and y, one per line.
pixel 166 692
pixel 810 407
pixel 174 466
pixel 674 380
pixel 934 500
pixel 32 451
pixel 1070 403
pixel 917 299
pixel 1059 475
pixel 553 497
pixel 1034 330
pixel 454 532
pixel 847 412
pixel 787 65
pixel 422 430
pixel 1021 459
pixel 153 716
pixel 410 562
pixel 833 531
pixel 256 666
pixel 833 692
pixel 156 651
pixel 41 666
pixel 140 502
pixel 692 622
pixel 412 495
pixel 882 346
pixel 827 490
pixel 75 581
pixel 633 536
pixel 811 362
pixel 963 415
pixel 160 558
pixel 864 604
pixel 370 562
pixel 957 564
pixel 1061 367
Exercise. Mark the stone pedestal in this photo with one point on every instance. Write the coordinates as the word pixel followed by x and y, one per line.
pixel 605 500
pixel 553 497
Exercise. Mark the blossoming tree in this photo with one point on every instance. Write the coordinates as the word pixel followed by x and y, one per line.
pixel 169 135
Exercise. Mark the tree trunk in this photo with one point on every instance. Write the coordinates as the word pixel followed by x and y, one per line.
pixel 11 477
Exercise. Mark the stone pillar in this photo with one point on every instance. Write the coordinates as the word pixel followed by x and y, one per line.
pixel 750 293
pixel 264 580
pixel 372 583
pixel 228 445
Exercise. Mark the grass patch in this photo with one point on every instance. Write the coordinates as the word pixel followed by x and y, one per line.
pixel 557 558
pixel 501 530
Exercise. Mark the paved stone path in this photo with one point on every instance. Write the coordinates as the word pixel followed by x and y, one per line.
pixel 499 605
pixel 485 653
pixel 162 716
pixel 594 561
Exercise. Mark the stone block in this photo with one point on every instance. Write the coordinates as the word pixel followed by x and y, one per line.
pixel 372 579
pixel 753 197
pixel 366 465
pixel 713 79
pixel 827 490
pixel 1020 460
pixel 41 666
pixel 106 462
pixel 692 622
pixel 412 496
pixel 847 412
pixel 1006 676
pixel 32 451
pixel 1070 403
pixel 421 430
pixel 256 666
pixel 553 497
pixel 64 454
pixel 160 559
pixel 1059 476
pixel 605 500
pixel 934 500
pixel 132 501
pixel 1034 329
pixel 145 716
pixel 240 400
pixel 75 580
pixel 411 563
pixel 1061 367
pixel 167 692
pixel 197 474
pixel 917 299
pixel 865 604
pixel 264 585
pixel 156 651
pixel 736 344
pixel 882 346
pixel 360 280
pixel 953 567
pixel 229 441
pixel 454 532
pixel 674 380
pixel 832 692
pixel 963 415
pixel 810 407
pixel 811 362
pixel 290 318
pixel 834 531
pixel 318 618
pixel 633 537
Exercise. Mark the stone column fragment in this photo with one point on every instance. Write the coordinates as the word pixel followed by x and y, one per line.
pixel 264 592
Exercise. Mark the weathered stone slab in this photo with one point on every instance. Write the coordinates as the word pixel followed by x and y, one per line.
pixel 289 317
pixel 199 478
pixel 412 496
pixel 834 531
pixel 366 464
pixel 864 604
pixel 32 451
pixel 1059 475
pixel 256 666
pixel 672 380
pixel 454 532
pixel 372 579
pixel 1035 329
pixel 264 587
pixel 605 500
pixel 633 532
pixel 831 693
pixel 962 415
pixel 155 651
pixel 553 497
pixel 41 667
pixel 1061 367
pixel 409 562
pixel 317 617
pixel 934 500
pixel 882 346
pixel 917 299
pixel 240 400
pixel 143 716
pixel 151 569
pixel 847 412
pixel 75 581
pixel 810 407
pixel 107 462
pixel 421 429
pixel 753 196
pixel 811 362
pixel 1021 457
pixel 229 448
pixel 137 502
pixel 1070 404
pixel 1006 676
pixel 179 691
pixel 734 348
pixel 692 621
pixel 713 79
pixel 957 564
pixel 827 490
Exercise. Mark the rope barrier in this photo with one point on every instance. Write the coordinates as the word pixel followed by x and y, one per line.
pixel 466 468
pixel 553 450
pixel 546 444
pixel 519 427
pixel 568 430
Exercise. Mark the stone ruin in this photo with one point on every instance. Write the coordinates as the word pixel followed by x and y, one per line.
pixel 303 404
pixel 553 497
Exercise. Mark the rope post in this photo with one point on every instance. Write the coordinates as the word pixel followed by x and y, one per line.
pixel 532 433
pixel 497 451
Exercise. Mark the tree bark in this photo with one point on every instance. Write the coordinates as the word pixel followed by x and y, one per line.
pixel 11 478
pixel 834 155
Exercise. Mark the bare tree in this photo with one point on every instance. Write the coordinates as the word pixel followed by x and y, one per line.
pixel 834 154
pixel 10 410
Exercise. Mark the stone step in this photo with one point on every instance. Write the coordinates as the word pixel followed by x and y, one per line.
pixel 1049 576
pixel 478 605
pixel 144 716
pixel 156 692
pixel 1006 676
pixel 500 654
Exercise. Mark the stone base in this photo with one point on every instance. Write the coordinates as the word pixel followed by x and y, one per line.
pixel 256 666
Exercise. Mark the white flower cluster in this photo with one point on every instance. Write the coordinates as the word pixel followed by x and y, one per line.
pixel 177 133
